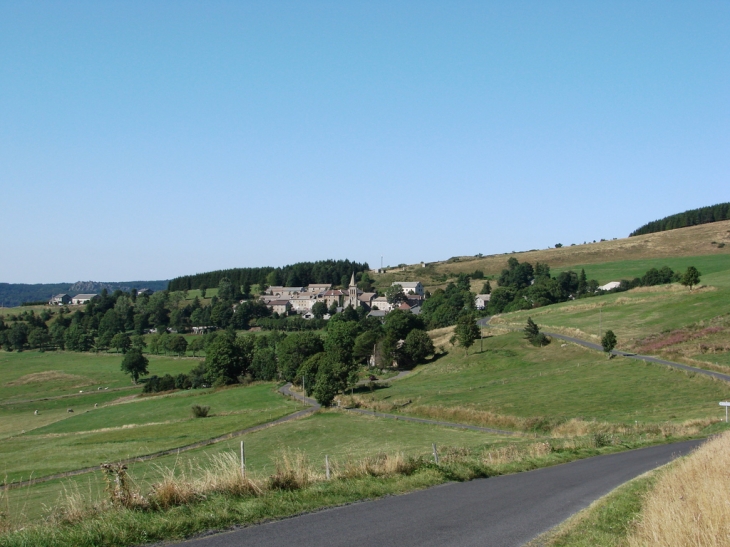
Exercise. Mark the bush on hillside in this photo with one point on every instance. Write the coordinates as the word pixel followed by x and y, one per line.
pixel 199 411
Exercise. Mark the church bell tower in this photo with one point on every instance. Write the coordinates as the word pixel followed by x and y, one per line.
pixel 352 292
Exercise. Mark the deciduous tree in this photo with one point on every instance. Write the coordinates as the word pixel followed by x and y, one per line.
pixel 466 331
pixel 121 342
pixel 691 277
pixel 394 294
pixel 135 364
pixel 296 348
pixel 608 342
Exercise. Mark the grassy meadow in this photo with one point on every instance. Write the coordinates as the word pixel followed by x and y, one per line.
pixel 134 426
pixel 339 435
pixel 666 320
pixel 513 384
pixel 574 399
pixel 32 375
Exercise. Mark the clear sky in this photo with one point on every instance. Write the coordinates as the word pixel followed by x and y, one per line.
pixel 146 140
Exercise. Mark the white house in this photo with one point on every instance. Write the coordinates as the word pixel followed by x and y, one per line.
pixel 59 300
pixel 481 301
pixel 409 286
pixel 609 286
pixel 82 299
pixel 303 303
pixel 381 303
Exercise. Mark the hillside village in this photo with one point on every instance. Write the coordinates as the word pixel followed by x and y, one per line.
pixel 301 300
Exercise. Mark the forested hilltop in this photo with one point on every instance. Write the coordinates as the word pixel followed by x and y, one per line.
pixel 335 272
pixel 693 217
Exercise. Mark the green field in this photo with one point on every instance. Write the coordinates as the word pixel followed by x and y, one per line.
pixel 339 435
pixel 629 269
pixel 136 426
pixel 512 378
pixel 33 375
pixel 534 390
pixel 646 313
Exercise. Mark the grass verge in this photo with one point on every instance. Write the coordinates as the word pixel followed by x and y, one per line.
pixel 184 506
pixel 606 522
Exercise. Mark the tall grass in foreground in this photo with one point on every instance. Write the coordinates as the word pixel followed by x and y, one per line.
pixel 196 485
pixel 690 504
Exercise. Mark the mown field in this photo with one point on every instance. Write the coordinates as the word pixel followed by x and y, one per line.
pixel 31 375
pixel 135 427
pixel 511 378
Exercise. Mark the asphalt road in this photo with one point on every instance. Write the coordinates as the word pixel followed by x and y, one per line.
pixel 500 511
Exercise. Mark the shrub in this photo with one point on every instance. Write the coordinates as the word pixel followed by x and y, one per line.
pixel 199 411
pixel 601 439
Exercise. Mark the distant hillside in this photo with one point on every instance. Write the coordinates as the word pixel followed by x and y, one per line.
pixel 706 239
pixel 14 294
pixel 293 275
pixel 694 217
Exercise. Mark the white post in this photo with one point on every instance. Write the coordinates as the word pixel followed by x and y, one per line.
pixel 435 453
pixel 725 404
pixel 243 462
pixel 327 465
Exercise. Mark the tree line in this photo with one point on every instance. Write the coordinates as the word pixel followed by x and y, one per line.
pixel 324 365
pixel 113 320
pixel 335 272
pixel 693 217
pixel 522 286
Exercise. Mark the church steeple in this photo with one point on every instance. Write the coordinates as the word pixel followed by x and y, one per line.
pixel 352 292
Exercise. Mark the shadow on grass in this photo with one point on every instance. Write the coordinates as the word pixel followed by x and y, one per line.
pixel 372 387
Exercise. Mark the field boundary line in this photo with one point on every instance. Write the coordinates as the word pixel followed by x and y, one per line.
pixel 314 406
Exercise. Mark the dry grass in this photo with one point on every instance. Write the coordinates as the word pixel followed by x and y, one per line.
pixel 293 471
pixel 5 520
pixel 459 414
pixel 381 465
pixel 222 475
pixel 441 337
pixel 574 427
pixel 691 241
pixel 73 506
pixel 50 376
pixel 580 428
pixel 515 453
pixel 689 505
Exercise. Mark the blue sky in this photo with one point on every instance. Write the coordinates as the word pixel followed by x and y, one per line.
pixel 146 140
